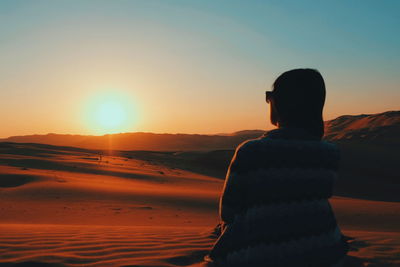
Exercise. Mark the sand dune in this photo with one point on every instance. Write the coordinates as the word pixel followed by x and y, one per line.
pixel 113 186
pixel 68 206
pixel 381 128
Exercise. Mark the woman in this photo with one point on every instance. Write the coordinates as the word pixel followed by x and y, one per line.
pixel 274 207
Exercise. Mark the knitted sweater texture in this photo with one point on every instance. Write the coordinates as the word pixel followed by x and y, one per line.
pixel 274 206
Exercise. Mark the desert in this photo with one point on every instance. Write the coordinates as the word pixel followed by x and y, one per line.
pixel 63 205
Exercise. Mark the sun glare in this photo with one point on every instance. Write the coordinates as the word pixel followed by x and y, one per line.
pixel 110 115
pixel 109 112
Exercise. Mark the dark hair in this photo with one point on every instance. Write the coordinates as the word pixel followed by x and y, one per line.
pixel 297 100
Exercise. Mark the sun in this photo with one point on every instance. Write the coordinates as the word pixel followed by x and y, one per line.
pixel 110 115
pixel 109 112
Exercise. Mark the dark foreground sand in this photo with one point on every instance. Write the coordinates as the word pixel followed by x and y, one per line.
pixel 63 206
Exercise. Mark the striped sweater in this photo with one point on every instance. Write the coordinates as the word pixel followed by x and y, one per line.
pixel 274 207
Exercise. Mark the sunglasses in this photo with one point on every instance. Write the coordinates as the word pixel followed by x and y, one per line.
pixel 268 96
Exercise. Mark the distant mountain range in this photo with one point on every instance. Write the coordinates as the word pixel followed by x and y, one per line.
pixel 382 128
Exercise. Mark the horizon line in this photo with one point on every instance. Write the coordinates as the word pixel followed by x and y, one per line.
pixel 182 133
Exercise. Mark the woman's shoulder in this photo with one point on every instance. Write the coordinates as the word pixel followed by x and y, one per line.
pixel 273 152
pixel 277 140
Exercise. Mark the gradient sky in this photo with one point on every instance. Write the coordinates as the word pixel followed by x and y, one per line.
pixel 188 66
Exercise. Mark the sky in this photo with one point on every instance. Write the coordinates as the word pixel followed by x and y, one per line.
pixel 96 67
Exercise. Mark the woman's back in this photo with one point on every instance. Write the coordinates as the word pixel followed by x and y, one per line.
pixel 275 203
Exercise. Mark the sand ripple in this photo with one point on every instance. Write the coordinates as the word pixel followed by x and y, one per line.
pixel 104 245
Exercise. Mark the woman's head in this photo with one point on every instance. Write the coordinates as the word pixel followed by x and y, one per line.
pixel 297 100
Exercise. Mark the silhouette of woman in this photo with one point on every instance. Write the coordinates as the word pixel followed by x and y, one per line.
pixel 274 207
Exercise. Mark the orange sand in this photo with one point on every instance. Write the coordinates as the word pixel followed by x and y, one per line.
pixel 64 206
